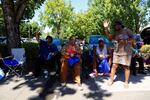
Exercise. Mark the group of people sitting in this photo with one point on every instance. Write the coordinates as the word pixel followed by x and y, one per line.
pixel 70 56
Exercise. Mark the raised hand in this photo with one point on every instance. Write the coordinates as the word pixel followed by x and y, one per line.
pixel 106 24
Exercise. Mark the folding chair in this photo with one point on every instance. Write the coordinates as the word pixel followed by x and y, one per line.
pixel 16 63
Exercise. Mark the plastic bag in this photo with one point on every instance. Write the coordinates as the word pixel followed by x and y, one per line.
pixel 104 66
pixel 73 60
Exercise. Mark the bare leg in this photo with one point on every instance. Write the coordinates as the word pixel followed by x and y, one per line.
pixel 113 71
pixel 127 74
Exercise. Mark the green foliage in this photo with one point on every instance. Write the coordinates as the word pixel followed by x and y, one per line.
pixel 2 27
pixel 14 11
pixel 83 24
pixel 57 14
pixel 32 50
pixel 145 51
pixel 32 5
pixel 148 3
pixel 4 50
pixel 132 13
pixel 27 29
pixel 32 53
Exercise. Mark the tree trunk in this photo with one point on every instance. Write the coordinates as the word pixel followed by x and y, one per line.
pixel 12 26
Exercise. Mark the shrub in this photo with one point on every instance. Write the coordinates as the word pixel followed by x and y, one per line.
pixel 145 51
pixel 4 50
pixel 32 50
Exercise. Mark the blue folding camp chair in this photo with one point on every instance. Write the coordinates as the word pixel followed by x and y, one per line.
pixel 16 63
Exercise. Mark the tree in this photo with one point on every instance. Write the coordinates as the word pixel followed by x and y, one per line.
pixel 83 24
pixel 14 11
pixel 2 27
pixel 148 2
pixel 131 12
pixel 29 28
pixel 56 15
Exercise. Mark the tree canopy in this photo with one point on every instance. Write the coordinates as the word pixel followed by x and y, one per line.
pixel 131 12
pixel 14 11
pixel 57 14
pixel 2 27
pixel 60 16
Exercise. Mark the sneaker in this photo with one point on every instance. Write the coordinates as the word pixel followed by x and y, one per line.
pixel 93 74
pixel 100 73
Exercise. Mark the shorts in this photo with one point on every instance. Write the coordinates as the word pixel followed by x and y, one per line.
pixel 122 59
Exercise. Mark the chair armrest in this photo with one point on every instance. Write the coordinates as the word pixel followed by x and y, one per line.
pixel 9 57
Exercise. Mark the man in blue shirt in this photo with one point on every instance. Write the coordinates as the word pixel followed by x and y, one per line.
pixel 48 55
pixel 47 48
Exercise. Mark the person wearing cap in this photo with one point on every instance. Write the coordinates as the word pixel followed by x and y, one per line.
pixel 122 51
pixel 48 54
pixel 101 52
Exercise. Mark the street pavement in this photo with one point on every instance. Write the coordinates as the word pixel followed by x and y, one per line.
pixel 29 88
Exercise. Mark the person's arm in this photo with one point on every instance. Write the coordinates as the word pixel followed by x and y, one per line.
pixel 106 25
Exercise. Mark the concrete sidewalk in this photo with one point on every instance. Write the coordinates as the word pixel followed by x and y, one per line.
pixel 28 88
